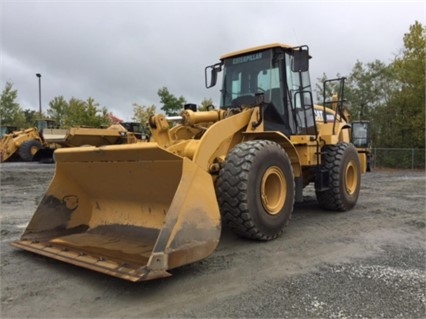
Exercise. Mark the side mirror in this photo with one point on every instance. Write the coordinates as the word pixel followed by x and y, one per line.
pixel 300 59
pixel 210 74
pixel 361 133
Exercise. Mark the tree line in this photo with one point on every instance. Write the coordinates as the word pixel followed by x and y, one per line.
pixel 78 112
pixel 391 96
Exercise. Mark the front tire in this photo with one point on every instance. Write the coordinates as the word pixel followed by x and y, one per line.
pixel 255 190
pixel 28 149
pixel 344 169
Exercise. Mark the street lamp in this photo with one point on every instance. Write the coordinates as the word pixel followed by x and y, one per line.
pixel 39 92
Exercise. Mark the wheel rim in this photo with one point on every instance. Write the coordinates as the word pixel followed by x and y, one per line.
pixel 273 190
pixel 351 178
pixel 33 150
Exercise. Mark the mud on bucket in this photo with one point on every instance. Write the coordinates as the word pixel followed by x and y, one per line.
pixel 130 211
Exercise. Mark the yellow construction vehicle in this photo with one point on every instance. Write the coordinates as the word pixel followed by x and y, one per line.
pixel 24 144
pixel 138 210
pixel 123 133
pixel 39 142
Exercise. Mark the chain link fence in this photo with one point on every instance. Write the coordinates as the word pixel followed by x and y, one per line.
pixel 411 158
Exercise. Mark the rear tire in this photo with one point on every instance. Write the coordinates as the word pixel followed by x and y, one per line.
pixel 255 190
pixel 344 169
pixel 28 149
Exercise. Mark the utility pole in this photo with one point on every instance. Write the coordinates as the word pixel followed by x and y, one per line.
pixel 39 93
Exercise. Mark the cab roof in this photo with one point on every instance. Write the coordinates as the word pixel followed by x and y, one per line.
pixel 255 49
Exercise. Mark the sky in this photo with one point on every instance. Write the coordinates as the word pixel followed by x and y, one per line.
pixel 122 52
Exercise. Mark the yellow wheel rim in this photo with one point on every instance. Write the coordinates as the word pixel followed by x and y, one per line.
pixel 351 178
pixel 33 150
pixel 273 190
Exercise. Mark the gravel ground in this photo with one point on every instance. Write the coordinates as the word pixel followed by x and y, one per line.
pixel 366 263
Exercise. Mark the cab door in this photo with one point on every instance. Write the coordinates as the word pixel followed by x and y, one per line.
pixel 299 95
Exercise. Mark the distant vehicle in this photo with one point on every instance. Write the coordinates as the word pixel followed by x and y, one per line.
pixel 39 142
pixel 24 144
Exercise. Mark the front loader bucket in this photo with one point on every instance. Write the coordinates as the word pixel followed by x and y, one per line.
pixel 132 211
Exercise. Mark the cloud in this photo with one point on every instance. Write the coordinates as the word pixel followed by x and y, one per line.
pixel 120 53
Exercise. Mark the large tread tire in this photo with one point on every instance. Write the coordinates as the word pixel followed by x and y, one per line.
pixel 28 149
pixel 344 169
pixel 255 190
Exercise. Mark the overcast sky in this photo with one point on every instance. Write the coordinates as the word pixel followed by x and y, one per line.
pixel 122 52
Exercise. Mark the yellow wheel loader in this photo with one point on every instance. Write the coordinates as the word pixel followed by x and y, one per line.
pixel 24 144
pixel 124 133
pixel 136 211
pixel 39 142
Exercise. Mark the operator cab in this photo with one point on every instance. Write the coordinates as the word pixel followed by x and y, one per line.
pixel 274 76
pixel 45 124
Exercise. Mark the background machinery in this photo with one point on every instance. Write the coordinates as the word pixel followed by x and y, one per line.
pixel 135 211
pixel 39 142
pixel 24 144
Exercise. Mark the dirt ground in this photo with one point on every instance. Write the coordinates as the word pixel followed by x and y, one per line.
pixel 365 263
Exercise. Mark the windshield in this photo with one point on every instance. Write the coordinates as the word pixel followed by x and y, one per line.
pixel 246 75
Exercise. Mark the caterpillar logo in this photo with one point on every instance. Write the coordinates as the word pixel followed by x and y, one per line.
pixel 247 58
pixel 319 116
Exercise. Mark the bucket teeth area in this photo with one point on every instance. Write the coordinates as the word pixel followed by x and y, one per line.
pixel 105 254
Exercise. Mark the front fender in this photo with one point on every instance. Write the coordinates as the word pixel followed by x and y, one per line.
pixel 284 142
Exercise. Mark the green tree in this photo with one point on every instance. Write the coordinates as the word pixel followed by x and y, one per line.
pixel 392 96
pixel 368 87
pixel 10 111
pixel 30 117
pixel 408 103
pixel 94 115
pixel 76 112
pixel 171 104
pixel 58 110
pixel 205 104
pixel 142 113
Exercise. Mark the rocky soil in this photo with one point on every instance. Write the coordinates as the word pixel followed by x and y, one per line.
pixel 365 263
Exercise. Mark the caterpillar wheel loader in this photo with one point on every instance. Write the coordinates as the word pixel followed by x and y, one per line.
pixel 24 144
pixel 123 133
pixel 38 143
pixel 136 211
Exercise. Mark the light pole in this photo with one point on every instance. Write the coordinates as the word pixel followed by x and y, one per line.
pixel 39 92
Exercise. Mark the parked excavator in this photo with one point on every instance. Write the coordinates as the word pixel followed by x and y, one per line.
pixel 137 211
